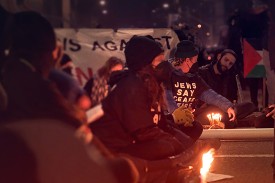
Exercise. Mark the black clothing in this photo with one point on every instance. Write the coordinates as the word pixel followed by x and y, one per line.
pixel 130 124
pixel 253 24
pixel 30 96
pixel 187 88
pixel 224 85
pixel 140 51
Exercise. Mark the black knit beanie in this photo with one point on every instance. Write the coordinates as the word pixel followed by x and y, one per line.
pixel 186 49
pixel 140 51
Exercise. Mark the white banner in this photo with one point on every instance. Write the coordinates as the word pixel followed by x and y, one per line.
pixel 91 48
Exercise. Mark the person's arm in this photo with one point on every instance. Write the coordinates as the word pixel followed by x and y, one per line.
pixel 272 111
pixel 211 97
pixel 171 104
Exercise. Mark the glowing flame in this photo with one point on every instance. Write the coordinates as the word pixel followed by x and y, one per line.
pixel 214 118
pixel 207 159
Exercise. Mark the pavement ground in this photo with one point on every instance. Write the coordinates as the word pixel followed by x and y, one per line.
pixel 246 154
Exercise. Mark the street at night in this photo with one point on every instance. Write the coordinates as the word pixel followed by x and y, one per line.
pixel 137 91
pixel 247 160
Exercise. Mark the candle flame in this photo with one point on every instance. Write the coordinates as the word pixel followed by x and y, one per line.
pixel 207 159
pixel 214 118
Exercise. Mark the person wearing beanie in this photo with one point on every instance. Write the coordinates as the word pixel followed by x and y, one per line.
pixel 141 51
pixel 132 111
pixel 187 87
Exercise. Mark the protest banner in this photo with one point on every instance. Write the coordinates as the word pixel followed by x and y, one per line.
pixel 91 48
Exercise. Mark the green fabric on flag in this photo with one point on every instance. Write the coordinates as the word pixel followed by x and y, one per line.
pixel 257 72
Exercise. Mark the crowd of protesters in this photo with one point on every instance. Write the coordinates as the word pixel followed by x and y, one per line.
pixel 149 115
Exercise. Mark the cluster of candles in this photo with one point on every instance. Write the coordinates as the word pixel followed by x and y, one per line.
pixel 214 118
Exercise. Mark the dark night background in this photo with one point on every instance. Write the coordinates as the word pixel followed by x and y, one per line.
pixel 211 15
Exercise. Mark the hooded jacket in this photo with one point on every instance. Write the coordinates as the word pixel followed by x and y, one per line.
pixel 130 125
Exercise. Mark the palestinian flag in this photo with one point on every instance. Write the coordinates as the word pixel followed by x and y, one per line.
pixel 253 58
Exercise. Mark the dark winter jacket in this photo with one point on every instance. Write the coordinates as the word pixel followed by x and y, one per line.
pixel 224 85
pixel 30 96
pixel 130 125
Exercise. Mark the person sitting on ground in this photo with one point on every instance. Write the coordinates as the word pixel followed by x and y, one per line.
pixel 220 75
pixel 97 87
pixel 26 69
pixel 5 19
pixel 132 110
pixel 186 86
pixel 36 104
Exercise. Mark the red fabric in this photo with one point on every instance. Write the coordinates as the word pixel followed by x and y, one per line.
pixel 251 57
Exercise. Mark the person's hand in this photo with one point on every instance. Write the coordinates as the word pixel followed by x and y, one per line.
pixel 231 114
pixel 272 111
pixel 183 116
pixel 84 133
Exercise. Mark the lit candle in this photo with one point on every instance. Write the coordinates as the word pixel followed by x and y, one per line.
pixel 207 159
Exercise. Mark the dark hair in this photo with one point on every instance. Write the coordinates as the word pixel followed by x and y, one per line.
pixel 104 71
pixel 147 74
pixel 65 59
pixel 32 38
pixel 225 51
pixel 186 49
pixel 32 32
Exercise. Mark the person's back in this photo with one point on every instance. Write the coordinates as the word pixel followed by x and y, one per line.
pixel 128 110
pixel 26 69
pixel 46 151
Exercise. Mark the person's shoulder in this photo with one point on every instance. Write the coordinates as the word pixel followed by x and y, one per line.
pixel 132 79
pixel 205 67
pixel 126 80
pixel 178 72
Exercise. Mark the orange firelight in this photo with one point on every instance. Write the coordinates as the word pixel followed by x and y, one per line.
pixel 207 159
pixel 215 120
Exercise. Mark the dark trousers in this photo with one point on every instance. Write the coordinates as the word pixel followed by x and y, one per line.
pixel 253 84
pixel 194 132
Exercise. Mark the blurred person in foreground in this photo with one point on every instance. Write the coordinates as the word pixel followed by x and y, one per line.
pixel 36 109
pixel 26 69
